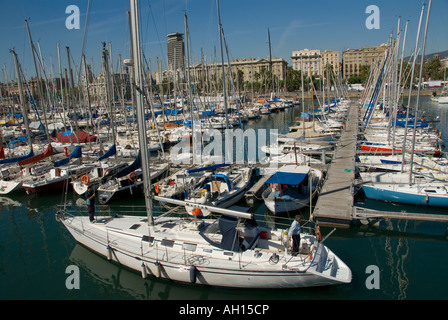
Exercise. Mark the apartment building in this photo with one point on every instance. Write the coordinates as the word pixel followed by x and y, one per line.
pixel 353 59
pixel 308 61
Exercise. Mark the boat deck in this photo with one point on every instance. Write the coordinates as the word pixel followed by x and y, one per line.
pixel 335 202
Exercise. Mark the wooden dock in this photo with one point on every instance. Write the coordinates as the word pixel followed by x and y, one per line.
pixel 255 191
pixel 335 203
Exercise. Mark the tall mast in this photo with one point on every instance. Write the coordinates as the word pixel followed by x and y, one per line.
pixel 138 87
pixel 410 88
pixel 418 90
pixel 22 99
pixel 222 65
pixel 39 84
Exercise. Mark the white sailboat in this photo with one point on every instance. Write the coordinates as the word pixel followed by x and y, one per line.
pixel 291 188
pixel 231 251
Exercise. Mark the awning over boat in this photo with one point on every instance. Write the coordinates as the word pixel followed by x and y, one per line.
pixel 227 227
pixel 38 157
pixel 225 178
pixel 289 178
pixel 112 151
pixel 77 153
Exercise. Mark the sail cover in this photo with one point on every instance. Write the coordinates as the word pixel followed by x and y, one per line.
pixel 112 150
pixel 132 167
pixel 38 157
pixel 77 153
pixel 207 168
pixel 17 159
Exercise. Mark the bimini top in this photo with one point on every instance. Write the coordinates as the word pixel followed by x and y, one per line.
pixel 224 177
pixel 290 175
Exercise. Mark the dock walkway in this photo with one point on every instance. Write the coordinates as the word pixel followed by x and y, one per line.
pixel 335 202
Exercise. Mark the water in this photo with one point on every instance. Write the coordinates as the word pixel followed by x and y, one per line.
pixel 35 251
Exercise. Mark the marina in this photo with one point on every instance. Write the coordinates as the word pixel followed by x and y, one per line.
pixel 195 194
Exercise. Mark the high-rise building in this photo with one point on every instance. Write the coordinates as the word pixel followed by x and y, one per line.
pixel 176 50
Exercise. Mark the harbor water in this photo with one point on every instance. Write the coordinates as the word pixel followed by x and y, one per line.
pixel 395 260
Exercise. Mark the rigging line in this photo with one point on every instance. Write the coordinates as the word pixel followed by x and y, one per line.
pixel 157 32
pixel 83 43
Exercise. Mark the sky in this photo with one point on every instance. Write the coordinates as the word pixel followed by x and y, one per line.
pixel 293 25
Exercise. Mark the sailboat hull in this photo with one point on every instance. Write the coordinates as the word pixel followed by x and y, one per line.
pixel 409 196
pixel 179 266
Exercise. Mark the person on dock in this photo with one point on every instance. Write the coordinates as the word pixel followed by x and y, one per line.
pixel 294 233
pixel 90 201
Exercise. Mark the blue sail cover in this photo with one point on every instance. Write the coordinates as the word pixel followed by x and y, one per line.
pixel 112 151
pixel 213 167
pixel 77 153
pixel 132 167
pixel 17 159
pixel 288 178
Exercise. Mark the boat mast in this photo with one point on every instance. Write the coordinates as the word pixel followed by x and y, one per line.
pixel 22 99
pixel 138 87
pixel 418 91
pixel 410 88
pixel 222 65
pixel 38 79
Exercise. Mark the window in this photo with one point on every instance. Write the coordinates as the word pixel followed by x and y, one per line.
pixel 167 243
pixel 189 246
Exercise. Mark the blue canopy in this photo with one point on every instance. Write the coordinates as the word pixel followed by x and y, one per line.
pixel 289 178
pixel 227 227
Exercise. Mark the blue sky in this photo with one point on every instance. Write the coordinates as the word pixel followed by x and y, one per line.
pixel 293 25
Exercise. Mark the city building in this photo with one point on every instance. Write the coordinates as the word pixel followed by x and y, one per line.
pixel 315 61
pixel 253 68
pixel 353 59
pixel 308 61
pixel 176 51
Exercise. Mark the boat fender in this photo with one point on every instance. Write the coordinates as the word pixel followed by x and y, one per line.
pixel 144 273
pixel 66 151
pixel 196 212
pixel 158 269
pixel 193 272
pixel 109 252
pixel 157 188
pixel 85 179
pixel 318 234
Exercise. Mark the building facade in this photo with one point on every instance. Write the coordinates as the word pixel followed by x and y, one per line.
pixel 314 61
pixel 353 59
pixel 176 51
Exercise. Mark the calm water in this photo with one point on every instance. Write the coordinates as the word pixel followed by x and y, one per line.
pixel 35 250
